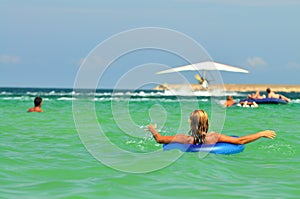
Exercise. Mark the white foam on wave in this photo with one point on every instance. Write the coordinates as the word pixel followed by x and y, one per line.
pixel 142 94
pixel 215 93
pixel 128 94
pixel 296 101
pixel 106 99
pixel 21 98
pixel 31 93
pixel 66 99
pixel 5 93
pixel 103 99
pixel 100 94
pixel 169 93
pixel 53 93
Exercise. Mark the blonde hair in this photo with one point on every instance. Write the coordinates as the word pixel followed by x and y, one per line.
pixel 199 125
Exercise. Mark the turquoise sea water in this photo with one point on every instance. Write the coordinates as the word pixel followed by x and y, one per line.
pixel 42 155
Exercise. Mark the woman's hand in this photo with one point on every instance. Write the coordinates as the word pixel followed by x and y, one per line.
pixel 151 127
pixel 269 134
pixel 155 134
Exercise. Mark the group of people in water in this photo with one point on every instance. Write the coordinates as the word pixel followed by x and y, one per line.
pixel 198 133
pixel 231 102
pixel 199 126
pixel 270 94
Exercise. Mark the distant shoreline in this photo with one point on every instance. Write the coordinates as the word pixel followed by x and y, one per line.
pixel 234 87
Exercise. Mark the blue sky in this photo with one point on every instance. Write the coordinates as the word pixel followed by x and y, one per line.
pixel 43 42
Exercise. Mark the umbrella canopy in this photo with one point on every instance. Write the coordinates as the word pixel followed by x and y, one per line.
pixel 208 65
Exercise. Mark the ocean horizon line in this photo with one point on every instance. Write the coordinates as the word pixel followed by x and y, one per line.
pixel 227 86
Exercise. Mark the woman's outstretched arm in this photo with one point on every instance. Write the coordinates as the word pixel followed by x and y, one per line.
pixel 247 138
pixel 179 138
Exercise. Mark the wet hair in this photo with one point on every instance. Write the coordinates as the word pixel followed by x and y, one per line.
pixel 199 126
pixel 229 97
pixel 37 101
pixel 268 90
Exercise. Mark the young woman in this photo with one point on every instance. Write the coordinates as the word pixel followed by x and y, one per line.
pixel 198 133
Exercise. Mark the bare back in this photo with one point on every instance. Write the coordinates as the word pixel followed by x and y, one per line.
pixel 35 109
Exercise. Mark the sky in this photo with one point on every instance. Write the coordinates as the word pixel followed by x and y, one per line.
pixel 44 43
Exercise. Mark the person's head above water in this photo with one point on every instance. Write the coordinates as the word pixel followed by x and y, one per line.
pixel 38 101
pixel 229 97
pixel 268 90
pixel 199 125
pixel 37 105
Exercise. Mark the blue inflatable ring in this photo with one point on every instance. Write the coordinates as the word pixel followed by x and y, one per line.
pixel 218 148
pixel 265 101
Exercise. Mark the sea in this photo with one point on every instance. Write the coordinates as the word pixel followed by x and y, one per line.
pixel 93 144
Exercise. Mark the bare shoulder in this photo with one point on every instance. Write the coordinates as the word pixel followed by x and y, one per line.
pixel 34 109
pixel 39 110
pixel 212 137
pixel 184 139
pixel 213 134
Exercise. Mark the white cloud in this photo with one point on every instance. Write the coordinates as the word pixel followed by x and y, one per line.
pixel 293 65
pixel 9 59
pixel 256 62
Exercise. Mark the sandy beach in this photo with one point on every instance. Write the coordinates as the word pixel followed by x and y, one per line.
pixel 234 87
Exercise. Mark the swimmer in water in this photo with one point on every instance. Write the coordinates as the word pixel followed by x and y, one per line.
pixel 199 133
pixel 272 94
pixel 37 105
pixel 256 96
pixel 229 102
